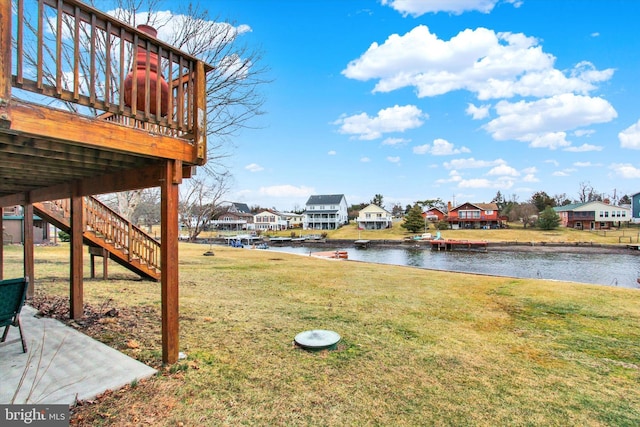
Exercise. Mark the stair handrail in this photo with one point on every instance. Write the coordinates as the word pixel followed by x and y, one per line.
pixel 114 228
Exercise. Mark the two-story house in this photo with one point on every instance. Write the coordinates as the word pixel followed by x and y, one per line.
pixel 635 208
pixel 235 217
pixel 373 217
pixel 592 215
pixel 269 219
pixel 475 215
pixel 326 212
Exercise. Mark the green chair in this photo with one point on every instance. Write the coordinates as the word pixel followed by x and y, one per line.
pixel 12 295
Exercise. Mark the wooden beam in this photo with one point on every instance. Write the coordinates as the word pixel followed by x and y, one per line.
pixel 169 263
pixel 37 121
pixel 1 244
pixel 76 297
pixel 5 62
pixel 150 176
pixel 27 247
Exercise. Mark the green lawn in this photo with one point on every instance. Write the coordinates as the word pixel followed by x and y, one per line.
pixel 418 347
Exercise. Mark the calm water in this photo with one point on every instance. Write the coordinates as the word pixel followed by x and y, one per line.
pixel 603 269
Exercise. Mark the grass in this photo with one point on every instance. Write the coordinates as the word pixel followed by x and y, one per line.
pixel 418 347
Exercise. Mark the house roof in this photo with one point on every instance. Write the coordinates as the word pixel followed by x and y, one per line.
pixel 566 208
pixel 375 208
pixel 588 206
pixel 241 207
pixel 325 199
pixel 481 206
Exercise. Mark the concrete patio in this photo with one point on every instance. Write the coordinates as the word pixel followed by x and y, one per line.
pixel 62 365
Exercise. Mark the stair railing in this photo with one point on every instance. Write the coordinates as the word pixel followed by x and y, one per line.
pixel 114 229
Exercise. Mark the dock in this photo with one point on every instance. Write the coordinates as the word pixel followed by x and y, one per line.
pixel 362 243
pixel 449 245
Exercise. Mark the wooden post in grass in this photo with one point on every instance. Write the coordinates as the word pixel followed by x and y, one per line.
pixel 76 287
pixel 172 176
pixel 27 246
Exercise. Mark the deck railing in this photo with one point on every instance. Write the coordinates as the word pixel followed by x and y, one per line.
pixel 67 50
pixel 115 229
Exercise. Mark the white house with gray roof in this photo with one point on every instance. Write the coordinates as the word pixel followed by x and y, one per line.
pixel 326 212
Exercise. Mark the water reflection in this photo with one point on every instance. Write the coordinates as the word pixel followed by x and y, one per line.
pixel 602 269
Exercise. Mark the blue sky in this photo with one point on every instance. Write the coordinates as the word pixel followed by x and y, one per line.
pixel 449 99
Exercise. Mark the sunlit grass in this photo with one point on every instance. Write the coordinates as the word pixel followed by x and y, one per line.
pixel 418 347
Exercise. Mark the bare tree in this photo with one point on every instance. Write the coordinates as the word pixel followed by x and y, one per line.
pixel 587 193
pixel 199 199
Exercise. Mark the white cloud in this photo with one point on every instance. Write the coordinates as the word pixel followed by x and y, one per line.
pixel 395 141
pixel 472 163
pixel 503 170
pixel 418 8
pixel 630 137
pixel 501 183
pixel 584 132
pixel 286 191
pixel 530 170
pixel 332 153
pixel 489 64
pixel 392 119
pixel 365 160
pixel 393 159
pixel 254 167
pixel 583 164
pixel 530 178
pixel 553 162
pixel 625 170
pixel 584 148
pixel 440 147
pixel 542 123
pixel 478 113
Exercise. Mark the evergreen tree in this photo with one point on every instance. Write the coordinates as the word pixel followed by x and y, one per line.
pixel 414 222
pixel 548 219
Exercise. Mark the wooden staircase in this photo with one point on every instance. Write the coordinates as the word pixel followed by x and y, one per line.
pixel 125 243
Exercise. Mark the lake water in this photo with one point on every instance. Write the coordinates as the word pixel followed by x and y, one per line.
pixel 602 269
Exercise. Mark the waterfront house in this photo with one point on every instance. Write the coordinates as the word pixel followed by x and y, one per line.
pixel 592 215
pixel 269 219
pixel 635 208
pixel 373 217
pixel 235 217
pixel 475 215
pixel 434 214
pixel 326 212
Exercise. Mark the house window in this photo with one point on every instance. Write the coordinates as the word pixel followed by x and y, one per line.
pixel 368 215
pixel 488 212
pixel 601 214
pixel 606 214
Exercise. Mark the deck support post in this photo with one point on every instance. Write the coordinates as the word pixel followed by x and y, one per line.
pixel 1 244
pixel 76 287
pixel 27 246
pixel 169 260
pixel 5 61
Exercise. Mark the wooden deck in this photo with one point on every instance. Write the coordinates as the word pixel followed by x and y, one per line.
pixel 450 245
pixel 66 131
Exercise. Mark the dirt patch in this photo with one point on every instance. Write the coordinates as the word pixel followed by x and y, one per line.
pixel 134 331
